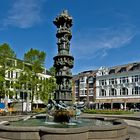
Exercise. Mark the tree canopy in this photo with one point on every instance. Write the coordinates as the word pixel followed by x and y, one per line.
pixel 36 58
pixel 29 77
pixel 5 53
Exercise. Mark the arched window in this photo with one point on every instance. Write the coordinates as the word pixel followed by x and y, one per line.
pixel 102 92
pixel 112 92
pixel 124 91
pixel 136 90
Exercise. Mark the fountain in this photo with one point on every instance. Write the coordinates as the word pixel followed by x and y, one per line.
pixel 61 108
pixel 63 63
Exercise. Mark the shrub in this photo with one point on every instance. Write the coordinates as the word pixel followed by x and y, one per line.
pixel 113 112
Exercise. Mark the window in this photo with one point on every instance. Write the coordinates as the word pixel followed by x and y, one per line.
pixel 82 86
pixel 124 91
pixel 135 67
pixel 16 75
pixel 102 92
pixel 76 83
pixel 82 79
pixel 136 78
pixel 112 71
pixel 123 69
pixel 90 80
pixel 85 92
pixel 9 74
pixel 136 91
pixel 90 85
pixel 76 89
pixel 113 81
pixel 102 82
pixel 124 80
pixel 112 92
pixel 90 92
pixel 82 92
pixel 23 95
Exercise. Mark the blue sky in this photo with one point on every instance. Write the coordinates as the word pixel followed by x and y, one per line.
pixel 105 32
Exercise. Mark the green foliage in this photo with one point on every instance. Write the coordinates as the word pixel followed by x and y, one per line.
pixel 6 57
pixel 34 64
pixel 6 51
pixel 36 58
pixel 20 64
pixel 52 71
pixel 28 78
pixel 48 88
pixel 113 112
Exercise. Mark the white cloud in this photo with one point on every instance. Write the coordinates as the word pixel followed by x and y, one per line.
pixel 24 13
pixel 97 42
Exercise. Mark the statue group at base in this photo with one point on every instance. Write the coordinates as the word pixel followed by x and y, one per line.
pixel 61 110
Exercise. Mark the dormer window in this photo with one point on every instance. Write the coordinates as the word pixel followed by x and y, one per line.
pixel 123 69
pixel 112 71
pixel 102 71
pixel 135 67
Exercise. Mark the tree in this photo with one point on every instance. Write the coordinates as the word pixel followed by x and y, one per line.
pixel 36 60
pixel 6 53
pixel 52 71
pixel 48 88
pixel 1 85
pixel 6 63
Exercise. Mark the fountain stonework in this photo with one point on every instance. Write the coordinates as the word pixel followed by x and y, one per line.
pixel 63 62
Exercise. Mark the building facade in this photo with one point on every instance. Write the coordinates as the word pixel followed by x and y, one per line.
pixel 84 87
pixel 19 94
pixel 115 87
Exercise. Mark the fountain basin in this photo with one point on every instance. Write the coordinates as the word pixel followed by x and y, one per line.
pixel 117 131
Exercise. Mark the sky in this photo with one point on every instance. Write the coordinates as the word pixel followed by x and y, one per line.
pixel 104 32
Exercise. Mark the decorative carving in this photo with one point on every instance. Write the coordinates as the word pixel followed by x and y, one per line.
pixel 63 62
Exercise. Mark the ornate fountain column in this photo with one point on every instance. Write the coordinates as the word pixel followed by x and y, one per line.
pixel 63 61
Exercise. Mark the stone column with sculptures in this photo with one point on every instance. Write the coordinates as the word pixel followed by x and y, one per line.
pixel 63 61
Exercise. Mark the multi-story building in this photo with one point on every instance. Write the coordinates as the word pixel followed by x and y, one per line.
pixel 115 87
pixel 84 86
pixel 16 67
